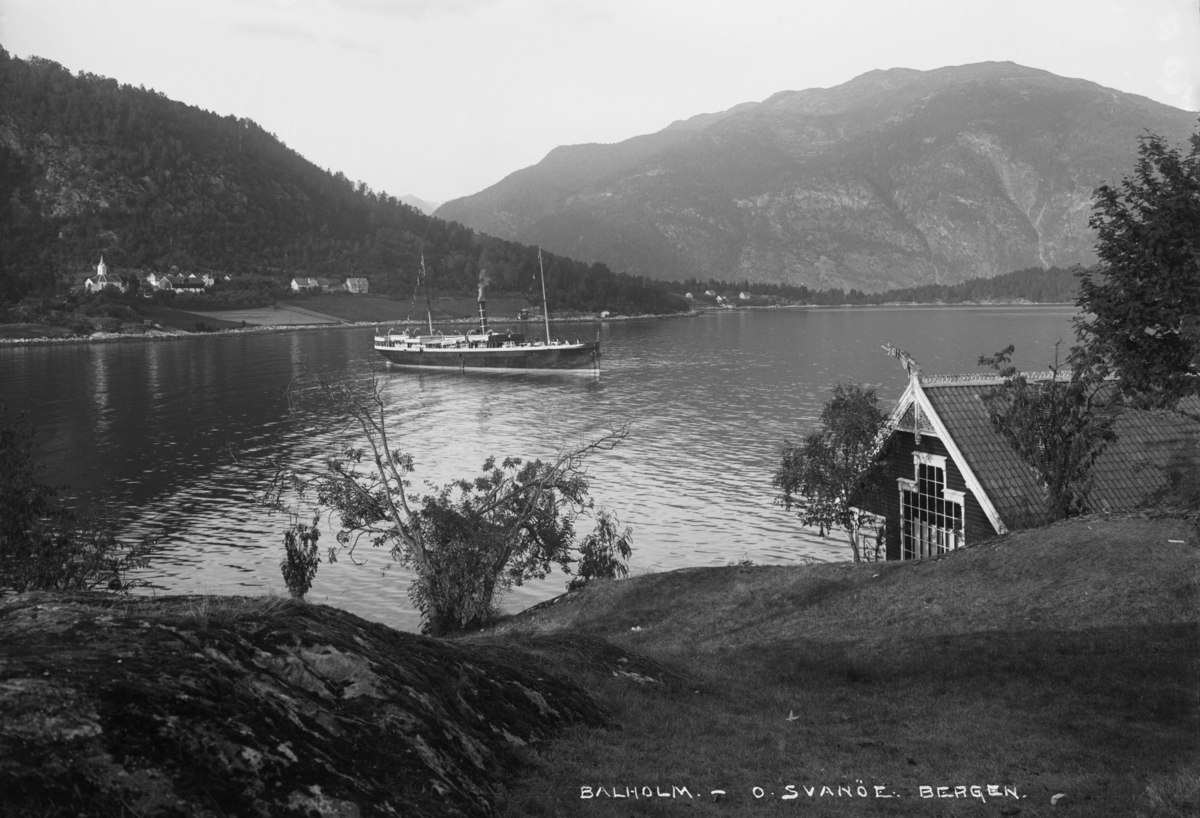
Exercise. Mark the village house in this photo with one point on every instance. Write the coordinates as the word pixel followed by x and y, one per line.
pixel 156 281
pixel 305 285
pixel 356 285
pixel 950 479
pixel 187 284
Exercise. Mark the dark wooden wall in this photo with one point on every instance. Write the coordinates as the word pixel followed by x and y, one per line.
pixel 899 463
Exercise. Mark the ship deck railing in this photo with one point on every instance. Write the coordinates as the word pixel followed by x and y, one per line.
pixel 420 342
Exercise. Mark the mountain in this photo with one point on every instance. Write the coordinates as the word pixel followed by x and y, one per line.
pixel 92 167
pixel 420 204
pixel 897 178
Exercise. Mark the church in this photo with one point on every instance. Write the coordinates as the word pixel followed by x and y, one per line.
pixel 103 279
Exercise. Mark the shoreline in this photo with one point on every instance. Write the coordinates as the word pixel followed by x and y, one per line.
pixel 160 335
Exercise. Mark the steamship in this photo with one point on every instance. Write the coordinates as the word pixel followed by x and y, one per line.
pixel 485 348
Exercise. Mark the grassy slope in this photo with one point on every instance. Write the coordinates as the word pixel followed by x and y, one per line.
pixel 182 319
pixel 375 308
pixel 1061 660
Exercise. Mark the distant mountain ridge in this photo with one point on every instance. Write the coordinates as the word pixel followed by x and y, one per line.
pixel 897 178
pixel 419 203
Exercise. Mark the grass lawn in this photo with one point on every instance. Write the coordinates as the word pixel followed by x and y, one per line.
pixel 1064 660
pixel 34 331
pixel 501 308
pixel 180 319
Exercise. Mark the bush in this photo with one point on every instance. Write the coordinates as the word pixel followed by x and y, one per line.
pixel 604 552
pixel 472 539
pixel 299 564
pixel 45 546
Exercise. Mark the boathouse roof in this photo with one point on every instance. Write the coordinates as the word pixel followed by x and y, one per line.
pixel 1152 447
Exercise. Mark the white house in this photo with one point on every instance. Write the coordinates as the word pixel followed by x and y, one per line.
pixel 159 282
pixel 356 285
pixel 306 284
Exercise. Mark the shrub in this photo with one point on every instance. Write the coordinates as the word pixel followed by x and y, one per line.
pixel 299 564
pixel 468 542
pixel 45 546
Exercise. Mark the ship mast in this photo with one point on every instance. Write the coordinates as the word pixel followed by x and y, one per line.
pixel 428 306
pixel 545 304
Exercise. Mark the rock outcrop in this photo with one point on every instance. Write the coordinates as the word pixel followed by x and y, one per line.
pixel 202 706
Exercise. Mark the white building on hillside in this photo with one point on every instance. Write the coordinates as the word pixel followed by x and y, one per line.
pixel 103 279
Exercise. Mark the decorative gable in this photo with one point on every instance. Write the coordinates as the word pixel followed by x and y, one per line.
pixel 917 414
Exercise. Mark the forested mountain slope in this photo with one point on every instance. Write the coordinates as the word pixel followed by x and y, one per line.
pixel 89 166
pixel 897 178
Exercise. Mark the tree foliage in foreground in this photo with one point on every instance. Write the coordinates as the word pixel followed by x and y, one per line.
pixel 1141 307
pixel 1058 426
pixel 468 541
pixel 830 477
pixel 45 546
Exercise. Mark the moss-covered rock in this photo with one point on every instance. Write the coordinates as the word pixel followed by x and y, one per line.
pixel 204 706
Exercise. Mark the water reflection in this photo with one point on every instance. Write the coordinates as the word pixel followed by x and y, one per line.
pixel 174 433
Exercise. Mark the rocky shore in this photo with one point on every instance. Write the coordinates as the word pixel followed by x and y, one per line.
pixel 219 706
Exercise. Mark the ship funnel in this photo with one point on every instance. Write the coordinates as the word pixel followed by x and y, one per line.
pixel 483 282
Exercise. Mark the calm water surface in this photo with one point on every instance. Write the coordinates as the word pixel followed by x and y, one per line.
pixel 173 434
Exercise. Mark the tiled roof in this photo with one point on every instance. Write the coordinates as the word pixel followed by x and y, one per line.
pixel 1149 445
pixel 1011 485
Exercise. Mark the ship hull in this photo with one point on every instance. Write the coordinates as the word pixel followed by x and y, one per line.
pixel 533 357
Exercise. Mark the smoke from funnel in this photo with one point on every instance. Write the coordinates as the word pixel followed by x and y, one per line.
pixel 483 282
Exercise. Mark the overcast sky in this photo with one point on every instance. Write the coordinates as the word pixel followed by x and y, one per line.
pixel 442 98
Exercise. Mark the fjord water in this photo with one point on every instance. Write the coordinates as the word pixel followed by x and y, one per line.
pixel 177 436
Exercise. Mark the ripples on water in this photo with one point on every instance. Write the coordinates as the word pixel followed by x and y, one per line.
pixel 174 434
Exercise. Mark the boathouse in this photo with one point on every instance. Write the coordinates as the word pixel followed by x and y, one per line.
pixel 950 479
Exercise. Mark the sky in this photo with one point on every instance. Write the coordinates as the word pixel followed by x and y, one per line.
pixel 443 98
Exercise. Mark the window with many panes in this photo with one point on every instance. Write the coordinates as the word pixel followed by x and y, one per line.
pixel 931 516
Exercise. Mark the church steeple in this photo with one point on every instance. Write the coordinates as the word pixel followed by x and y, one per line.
pixel 101 268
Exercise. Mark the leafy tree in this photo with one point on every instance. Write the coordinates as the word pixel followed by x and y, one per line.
pixel 831 477
pixel 1058 425
pixel 469 540
pixel 1141 307
pixel 45 546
